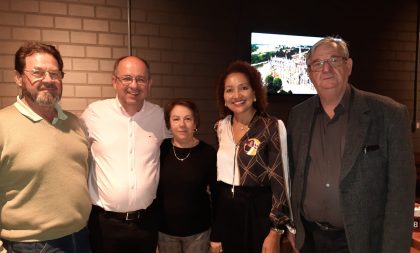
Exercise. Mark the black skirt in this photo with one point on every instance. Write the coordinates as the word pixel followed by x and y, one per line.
pixel 242 219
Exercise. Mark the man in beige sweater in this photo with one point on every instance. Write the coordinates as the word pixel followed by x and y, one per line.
pixel 44 201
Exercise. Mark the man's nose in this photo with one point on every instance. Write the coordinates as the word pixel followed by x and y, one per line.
pixel 133 84
pixel 47 77
pixel 326 67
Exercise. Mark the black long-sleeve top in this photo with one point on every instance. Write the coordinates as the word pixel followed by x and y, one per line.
pixel 183 197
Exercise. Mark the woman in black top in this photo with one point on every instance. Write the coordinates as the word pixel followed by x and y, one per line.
pixel 187 173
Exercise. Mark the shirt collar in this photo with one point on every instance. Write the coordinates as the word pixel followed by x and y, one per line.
pixel 124 112
pixel 342 106
pixel 28 112
pixel 345 101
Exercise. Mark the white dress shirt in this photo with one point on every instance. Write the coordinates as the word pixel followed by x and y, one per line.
pixel 124 173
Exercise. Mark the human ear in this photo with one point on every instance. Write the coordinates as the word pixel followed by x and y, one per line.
pixel 18 79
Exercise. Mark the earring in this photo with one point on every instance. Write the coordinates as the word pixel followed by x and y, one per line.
pixel 195 130
pixel 255 99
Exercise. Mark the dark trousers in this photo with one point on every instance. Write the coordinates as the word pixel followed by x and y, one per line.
pixel 111 235
pixel 76 242
pixel 321 241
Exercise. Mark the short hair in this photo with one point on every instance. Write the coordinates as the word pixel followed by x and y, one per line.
pixel 342 44
pixel 117 62
pixel 254 78
pixel 183 102
pixel 31 47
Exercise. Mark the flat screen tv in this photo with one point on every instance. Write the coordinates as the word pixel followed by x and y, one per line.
pixel 280 59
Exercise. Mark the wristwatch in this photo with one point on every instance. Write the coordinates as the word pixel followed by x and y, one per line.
pixel 278 230
pixel 291 229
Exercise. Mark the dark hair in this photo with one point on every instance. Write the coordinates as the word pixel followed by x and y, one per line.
pixel 254 78
pixel 32 47
pixel 184 102
pixel 117 62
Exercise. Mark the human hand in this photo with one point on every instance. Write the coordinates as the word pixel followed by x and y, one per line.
pixel 2 249
pixel 272 242
pixel 292 240
pixel 216 247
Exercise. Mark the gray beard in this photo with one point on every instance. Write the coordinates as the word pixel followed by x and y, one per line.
pixel 46 100
pixel 41 99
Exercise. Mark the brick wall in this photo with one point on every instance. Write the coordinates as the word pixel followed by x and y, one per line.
pixel 386 60
pixel 83 32
pixel 181 45
pixel 188 43
pixel 187 49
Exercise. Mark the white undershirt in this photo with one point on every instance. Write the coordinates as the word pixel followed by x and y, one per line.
pixel 226 156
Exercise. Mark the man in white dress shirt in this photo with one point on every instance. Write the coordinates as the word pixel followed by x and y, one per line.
pixel 125 135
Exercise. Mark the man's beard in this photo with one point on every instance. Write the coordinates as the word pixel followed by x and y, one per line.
pixel 42 98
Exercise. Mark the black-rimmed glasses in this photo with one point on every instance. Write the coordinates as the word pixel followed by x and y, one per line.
pixel 334 61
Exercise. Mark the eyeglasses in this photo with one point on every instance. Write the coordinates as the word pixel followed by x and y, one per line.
pixel 39 74
pixel 127 80
pixel 334 61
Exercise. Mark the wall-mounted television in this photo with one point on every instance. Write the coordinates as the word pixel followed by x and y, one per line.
pixel 280 58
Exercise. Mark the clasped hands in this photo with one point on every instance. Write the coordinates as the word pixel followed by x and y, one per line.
pixel 216 247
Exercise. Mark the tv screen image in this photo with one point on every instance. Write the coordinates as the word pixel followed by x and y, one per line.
pixel 280 59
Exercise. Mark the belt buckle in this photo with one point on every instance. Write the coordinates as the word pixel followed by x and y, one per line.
pixel 129 214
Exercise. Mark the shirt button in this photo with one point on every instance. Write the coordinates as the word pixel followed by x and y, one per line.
pixel 327 185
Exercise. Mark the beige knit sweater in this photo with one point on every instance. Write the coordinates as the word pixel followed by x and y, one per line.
pixel 43 177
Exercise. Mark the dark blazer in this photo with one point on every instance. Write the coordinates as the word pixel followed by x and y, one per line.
pixel 377 180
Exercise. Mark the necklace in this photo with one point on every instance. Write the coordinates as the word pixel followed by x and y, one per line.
pixel 181 159
pixel 245 127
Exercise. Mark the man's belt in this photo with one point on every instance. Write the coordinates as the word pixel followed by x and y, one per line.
pixel 127 216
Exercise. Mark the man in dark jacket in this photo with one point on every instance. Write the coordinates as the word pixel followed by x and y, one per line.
pixel 352 161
